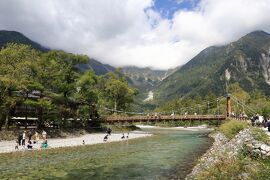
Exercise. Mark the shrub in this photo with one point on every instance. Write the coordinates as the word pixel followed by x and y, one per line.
pixel 260 135
pixel 232 127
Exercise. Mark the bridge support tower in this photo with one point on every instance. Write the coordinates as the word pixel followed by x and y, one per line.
pixel 229 106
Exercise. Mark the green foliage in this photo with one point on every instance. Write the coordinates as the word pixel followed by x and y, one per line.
pixel 264 172
pixel 196 104
pixel 51 83
pixel 232 168
pixel 116 94
pixel 232 127
pixel 260 135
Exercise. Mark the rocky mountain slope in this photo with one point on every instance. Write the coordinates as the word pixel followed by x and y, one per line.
pixel 145 79
pixel 246 61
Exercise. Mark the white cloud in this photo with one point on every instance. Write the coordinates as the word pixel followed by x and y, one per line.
pixel 129 32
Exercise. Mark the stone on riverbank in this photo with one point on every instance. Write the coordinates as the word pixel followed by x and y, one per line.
pixel 225 149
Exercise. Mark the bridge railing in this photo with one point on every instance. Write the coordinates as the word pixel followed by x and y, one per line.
pixel 175 117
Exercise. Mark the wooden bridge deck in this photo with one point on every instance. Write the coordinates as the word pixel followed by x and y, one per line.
pixel 164 118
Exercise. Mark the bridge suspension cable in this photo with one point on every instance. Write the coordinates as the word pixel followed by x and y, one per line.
pixel 237 101
pixel 126 112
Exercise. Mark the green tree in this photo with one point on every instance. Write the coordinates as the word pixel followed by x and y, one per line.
pixel 116 91
pixel 16 76
pixel 59 73
pixel 87 95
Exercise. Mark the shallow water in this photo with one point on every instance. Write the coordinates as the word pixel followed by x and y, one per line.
pixel 169 154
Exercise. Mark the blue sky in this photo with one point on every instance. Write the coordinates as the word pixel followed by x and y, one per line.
pixel 167 8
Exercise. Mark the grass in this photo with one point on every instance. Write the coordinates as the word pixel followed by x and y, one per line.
pixel 232 127
pixel 260 135
pixel 233 168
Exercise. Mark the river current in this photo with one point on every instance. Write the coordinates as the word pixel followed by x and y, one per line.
pixel 168 154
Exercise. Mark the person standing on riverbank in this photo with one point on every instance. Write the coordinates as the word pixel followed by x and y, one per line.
pixel 23 138
pixel 44 135
pixel 30 135
pixel 36 137
pixel 17 146
pixel 20 138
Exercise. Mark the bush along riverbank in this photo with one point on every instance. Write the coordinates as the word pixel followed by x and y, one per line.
pixel 238 152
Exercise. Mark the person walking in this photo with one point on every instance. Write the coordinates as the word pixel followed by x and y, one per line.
pixel 105 138
pixel 109 131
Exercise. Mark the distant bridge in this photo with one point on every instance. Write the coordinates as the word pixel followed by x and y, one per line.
pixel 162 118
pixel 123 119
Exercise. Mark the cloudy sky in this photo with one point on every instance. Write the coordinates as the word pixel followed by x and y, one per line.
pixel 157 33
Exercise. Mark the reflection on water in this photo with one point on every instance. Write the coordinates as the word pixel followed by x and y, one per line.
pixel 170 154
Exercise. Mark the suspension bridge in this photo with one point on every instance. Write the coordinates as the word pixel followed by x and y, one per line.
pixel 133 117
pixel 143 117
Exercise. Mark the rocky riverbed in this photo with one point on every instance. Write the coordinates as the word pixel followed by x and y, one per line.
pixel 224 148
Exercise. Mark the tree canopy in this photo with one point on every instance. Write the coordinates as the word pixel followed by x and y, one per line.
pixel 52 84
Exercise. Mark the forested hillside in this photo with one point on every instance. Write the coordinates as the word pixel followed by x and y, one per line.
pixel 246 61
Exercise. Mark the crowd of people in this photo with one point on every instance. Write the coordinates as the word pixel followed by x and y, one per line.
pixel 27 140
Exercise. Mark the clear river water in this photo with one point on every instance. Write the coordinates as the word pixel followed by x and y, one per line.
pixel 168 154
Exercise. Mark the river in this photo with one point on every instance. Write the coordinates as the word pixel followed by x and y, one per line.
pixel 168 154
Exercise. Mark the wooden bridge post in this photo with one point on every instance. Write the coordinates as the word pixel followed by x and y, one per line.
pixel 229 107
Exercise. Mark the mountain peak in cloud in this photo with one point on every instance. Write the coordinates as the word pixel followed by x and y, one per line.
pixel 134 32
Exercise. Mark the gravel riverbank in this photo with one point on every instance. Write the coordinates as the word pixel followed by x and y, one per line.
pixel 9 146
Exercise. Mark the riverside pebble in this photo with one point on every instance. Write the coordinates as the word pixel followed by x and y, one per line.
pixel 222 147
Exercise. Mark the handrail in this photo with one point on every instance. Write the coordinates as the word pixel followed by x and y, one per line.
pixel 175 117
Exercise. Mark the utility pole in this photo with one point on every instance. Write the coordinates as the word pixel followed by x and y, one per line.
pixel 208 107
pixel 218 106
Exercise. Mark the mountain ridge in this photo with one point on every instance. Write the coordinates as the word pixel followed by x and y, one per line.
pixel 206 71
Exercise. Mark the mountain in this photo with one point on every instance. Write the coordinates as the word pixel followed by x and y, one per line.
pixel 19 38
pixel 16 37
pixel 143 76
pixel 246 61
pixel 144 79
pixel 97 67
